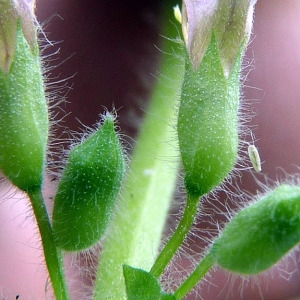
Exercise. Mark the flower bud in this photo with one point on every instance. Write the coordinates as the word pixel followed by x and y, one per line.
pixel 23 116
pixel 262 233
pixel 10 13
pixel 229 20
pixel 88 189
pixel 208 122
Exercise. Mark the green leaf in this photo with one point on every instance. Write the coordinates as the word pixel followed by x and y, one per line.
pixel 262 233
pixel 208 122
pixel 88 189
pixel 141 285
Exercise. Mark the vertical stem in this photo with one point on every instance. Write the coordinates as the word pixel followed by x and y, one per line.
pixel 137 227
pixel 195 277
pixel 53 256
pixel 177 238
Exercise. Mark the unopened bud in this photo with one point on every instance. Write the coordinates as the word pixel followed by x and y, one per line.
pixel 88 189
pixel 23 118
pixel 229 20
pixel 12 12
pixel 262 233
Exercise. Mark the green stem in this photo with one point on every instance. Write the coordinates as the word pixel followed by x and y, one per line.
pixel 177 238
pixel 53 256
pixel 195 277
pixel 137 227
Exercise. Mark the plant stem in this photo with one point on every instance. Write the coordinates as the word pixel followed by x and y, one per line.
pixel 53 256
pixel 177 238
pixel 195 277
pixel 137 227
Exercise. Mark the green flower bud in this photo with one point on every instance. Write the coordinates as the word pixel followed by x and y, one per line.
pixel 262 233
pixel 208 121
pixel 23 117
pixel 88 189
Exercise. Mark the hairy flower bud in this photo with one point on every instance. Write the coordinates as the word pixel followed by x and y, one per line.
pixel 10 13
pixel 23 117
pixel 88 189
pixel 230 20
pixel 262 233
pixel 208 122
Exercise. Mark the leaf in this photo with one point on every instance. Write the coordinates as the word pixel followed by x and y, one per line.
pixel 141 285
